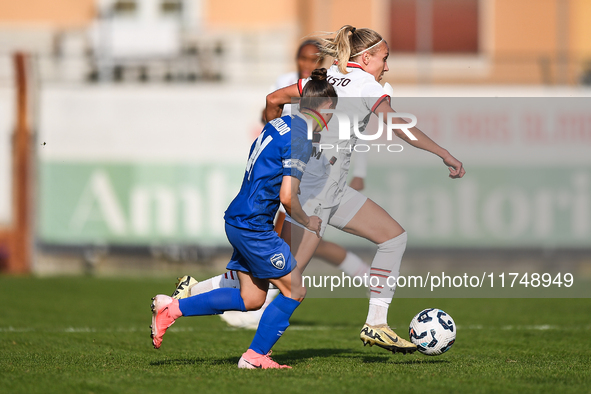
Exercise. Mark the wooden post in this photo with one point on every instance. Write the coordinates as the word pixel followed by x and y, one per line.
pixel 20 251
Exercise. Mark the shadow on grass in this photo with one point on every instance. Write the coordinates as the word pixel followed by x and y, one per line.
pixel 295 357
pixel 316 323
pixel 196 361
pixel 390 360
pixel 292 356
pixel 301 355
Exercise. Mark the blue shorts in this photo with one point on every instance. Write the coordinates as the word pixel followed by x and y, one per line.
pixel 262 253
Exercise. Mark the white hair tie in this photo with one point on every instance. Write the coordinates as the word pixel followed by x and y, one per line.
pixel 367 49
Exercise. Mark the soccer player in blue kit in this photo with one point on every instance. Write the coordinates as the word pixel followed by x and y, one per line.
pixel 274 169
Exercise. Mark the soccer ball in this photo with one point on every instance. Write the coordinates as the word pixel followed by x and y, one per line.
pixel 433 331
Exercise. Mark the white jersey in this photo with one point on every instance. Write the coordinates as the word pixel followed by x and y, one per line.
pixel 326 174
pixel 283 81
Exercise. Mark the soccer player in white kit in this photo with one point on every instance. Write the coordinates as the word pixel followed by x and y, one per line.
pixel 361 60
pixel 308 57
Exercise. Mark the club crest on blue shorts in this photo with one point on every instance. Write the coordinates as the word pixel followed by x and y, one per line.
pixel 278 261
pixel 262 253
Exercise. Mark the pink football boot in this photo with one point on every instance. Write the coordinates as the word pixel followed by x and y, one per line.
pixel 165 310
pixel 252 360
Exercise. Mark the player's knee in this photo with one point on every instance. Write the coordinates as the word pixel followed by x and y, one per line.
pixel 254 302
pixel 394 243
pixel 393 232
pixel 298 293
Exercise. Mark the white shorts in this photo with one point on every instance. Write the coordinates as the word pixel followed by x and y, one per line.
pixel 337 216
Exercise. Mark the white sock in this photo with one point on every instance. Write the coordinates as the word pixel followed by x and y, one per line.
pixel 386 263
pixel 229 280
pixel 208 285
pixel 377 314
pixel 353 266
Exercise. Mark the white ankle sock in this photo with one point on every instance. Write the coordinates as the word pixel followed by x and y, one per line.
pixel 207 285
pixel 377 314
pixel 385 264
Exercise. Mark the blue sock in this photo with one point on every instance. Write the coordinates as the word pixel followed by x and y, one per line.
pixel 212 303
pixel 274 322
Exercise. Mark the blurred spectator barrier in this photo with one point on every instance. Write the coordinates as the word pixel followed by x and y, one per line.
pixel 154 168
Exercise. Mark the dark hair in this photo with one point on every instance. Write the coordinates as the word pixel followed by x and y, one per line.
pixel 314 42
pixel 318 90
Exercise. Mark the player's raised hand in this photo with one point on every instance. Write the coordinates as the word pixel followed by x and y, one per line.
pixel 456 168
pixel 314 225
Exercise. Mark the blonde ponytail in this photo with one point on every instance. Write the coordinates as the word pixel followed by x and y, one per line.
pixel 349 40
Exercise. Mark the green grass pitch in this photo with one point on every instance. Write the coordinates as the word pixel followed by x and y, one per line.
pixel 88 335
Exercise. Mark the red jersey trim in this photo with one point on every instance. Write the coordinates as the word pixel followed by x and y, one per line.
pixel 384 97
pixel 350 65
pixel 354 65
pixel 300 87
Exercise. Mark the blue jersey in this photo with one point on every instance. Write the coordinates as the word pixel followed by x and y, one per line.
pixel 281 149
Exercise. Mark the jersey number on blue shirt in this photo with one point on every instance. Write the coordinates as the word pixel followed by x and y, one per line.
pixel 256 152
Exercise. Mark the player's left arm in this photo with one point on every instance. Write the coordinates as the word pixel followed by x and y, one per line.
pixel 357 183
pixel 456 168
pixel 359 170
pixel 277 99
pixel 288 197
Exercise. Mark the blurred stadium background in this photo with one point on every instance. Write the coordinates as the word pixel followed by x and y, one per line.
pixel 124 127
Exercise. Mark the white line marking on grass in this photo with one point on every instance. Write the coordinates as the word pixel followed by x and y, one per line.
pixel 12 329
pixel 540 327
pixel 471 327
pixel 78 330
pixel 316 328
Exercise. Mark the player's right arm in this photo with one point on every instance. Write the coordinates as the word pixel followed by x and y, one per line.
pixel 422 141
pixel 277 99
pixel 288 197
